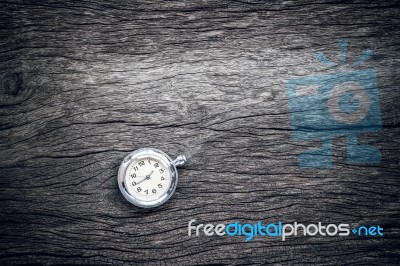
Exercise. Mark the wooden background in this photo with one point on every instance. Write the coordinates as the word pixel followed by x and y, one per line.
pixel 83 83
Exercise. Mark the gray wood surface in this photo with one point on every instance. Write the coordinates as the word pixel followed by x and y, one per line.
pixel 83 83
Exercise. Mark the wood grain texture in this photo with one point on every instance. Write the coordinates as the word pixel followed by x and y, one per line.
pixel 83 83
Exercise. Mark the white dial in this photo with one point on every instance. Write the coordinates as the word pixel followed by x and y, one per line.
pixel 147 178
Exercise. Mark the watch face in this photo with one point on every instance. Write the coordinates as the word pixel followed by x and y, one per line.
pixel 147 178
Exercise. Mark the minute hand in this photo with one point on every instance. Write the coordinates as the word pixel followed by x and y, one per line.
pixel 146 177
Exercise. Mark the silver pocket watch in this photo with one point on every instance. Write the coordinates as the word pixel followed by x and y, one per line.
pixel 148 177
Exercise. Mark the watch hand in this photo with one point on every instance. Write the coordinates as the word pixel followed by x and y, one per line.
pixel 145 178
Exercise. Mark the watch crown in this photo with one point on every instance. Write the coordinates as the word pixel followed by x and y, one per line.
pixel 179 160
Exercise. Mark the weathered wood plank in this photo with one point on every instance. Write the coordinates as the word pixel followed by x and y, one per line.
pixel 84 83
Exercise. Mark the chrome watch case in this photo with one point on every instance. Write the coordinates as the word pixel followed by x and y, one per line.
pixel 160 155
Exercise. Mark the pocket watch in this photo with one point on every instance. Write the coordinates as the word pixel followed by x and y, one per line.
pixel 148 177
